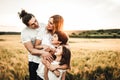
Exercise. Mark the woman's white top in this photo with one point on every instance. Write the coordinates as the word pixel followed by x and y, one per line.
pixel 45 37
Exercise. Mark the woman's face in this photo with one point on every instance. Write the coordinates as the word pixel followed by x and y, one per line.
pixel 50 25
pixel 59 51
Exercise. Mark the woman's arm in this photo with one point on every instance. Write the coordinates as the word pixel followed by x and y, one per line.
pixel 54 67
pixel 63 76
pixel 47 64
pixel 57 73
pixel 46 73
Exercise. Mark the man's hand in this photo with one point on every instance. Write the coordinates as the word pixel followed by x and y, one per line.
pixel 47 56
pixel 47 49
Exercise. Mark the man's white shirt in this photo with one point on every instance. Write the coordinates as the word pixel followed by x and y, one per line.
pixel 29 34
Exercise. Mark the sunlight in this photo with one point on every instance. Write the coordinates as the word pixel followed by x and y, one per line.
pixel 78 15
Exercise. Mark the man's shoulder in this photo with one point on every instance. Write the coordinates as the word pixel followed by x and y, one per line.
pixel 25 30
pixel 42 24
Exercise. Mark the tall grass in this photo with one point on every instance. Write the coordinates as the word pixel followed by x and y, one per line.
pixel 13 59
pixel 13 65
pixel 92 59
pixel 94 65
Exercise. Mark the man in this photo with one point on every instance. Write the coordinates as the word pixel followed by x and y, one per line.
pixel 28 36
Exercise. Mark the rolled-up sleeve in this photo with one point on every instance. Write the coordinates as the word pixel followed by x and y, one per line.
pixel 25 37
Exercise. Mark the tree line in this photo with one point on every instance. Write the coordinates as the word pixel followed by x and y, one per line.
pixel 108 33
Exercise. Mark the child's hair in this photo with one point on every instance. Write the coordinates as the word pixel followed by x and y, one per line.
pixel 62 37
pixel 66 56
pixel 66 53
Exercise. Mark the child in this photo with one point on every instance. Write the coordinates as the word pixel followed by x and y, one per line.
pixel 58 38
pixel 62 55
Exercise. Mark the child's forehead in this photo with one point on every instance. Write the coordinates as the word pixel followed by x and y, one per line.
pixel 60 46
pixel 55 34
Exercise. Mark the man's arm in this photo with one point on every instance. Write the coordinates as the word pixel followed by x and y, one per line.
pixel 37 44
pixel 29 46
pixel 47 48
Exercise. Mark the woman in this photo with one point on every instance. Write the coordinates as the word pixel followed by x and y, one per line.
pixel 55 23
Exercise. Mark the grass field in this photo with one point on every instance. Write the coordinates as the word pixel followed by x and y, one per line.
pixel 92 59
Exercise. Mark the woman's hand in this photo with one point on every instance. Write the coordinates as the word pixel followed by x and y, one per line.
pixel 53 67
pixel 57 73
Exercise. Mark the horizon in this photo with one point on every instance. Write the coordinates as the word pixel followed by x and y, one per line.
pixel 16 29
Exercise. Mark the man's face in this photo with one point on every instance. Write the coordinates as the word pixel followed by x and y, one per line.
pixel 33 23
pixel 50 25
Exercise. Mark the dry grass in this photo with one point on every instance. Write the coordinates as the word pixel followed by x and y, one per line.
pixel 90 54
pixel 95 44
pixel 87 56
pixel 13 58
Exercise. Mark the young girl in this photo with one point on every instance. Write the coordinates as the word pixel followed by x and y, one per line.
pixel 59 38
pixel 63 56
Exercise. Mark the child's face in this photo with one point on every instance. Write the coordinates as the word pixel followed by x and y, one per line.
pixel 55 39
pixel 59 51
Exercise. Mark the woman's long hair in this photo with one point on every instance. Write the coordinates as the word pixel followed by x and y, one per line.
pixel 58 22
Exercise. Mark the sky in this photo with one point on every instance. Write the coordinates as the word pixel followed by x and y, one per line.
pixel 77 14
